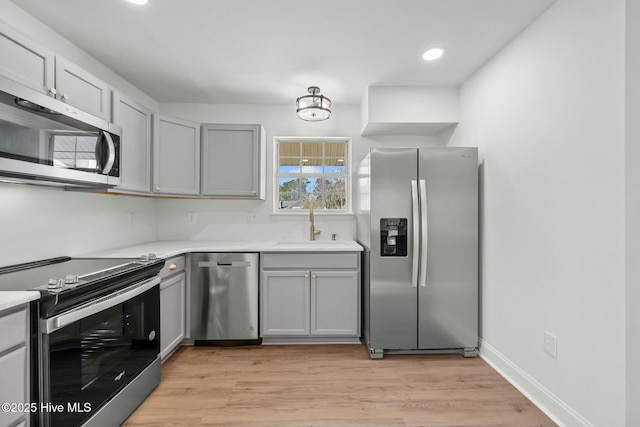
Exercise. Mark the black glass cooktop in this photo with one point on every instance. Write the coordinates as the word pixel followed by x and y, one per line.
pixel 64 281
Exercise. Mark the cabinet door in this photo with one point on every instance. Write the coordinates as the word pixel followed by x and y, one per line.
pixel 335 303
pixel 81 89
pixel 13 371
pixel 24 61
pixel 172 313
pixel 135 144
pixel 285 303
pixel 233 161
pixel 176 156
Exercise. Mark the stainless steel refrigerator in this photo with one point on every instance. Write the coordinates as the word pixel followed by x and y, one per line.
pixel 417 218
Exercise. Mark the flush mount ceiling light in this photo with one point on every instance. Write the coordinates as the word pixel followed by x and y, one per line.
pixel 313 107
pixel 433 54
pixel 137 1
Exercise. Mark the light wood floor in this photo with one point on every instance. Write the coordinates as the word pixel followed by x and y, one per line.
pixel 330 385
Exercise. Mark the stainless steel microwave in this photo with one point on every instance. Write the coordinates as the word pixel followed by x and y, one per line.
pixel 44 140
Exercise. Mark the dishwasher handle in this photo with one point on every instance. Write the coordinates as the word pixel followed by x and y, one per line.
pixel 206 264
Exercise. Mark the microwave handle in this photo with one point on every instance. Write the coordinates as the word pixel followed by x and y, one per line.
pixel 111 157
pixel 60 321
pixel 105 165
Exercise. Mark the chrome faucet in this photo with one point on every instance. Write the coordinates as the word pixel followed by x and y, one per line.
pixel 312 230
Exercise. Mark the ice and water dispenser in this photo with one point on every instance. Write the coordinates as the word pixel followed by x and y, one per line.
pixel 393 237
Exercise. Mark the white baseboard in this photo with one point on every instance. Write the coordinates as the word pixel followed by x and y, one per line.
pixel 548 403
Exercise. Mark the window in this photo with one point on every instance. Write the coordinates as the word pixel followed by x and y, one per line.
pixel 312 172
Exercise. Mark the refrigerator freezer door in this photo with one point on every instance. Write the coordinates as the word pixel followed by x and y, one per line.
pixel 448 303
pixel 392 296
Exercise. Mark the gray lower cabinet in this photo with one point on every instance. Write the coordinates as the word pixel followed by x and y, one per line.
pixel 176 156
pixel 172 306
pixel 335 300
pixel 311 297
pixel 233 161
pixel 286 303
pixel 14 364
pixel 135 159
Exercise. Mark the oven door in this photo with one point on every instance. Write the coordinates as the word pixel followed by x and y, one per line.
pixel 93 351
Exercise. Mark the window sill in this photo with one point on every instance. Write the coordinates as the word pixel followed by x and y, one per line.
pixel 321 216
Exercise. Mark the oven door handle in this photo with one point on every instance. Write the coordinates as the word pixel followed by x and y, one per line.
pixel 98 305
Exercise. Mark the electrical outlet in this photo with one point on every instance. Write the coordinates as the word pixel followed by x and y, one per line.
pixel 252 218
pixel 132 218
pixel 191 218
pixel 551 344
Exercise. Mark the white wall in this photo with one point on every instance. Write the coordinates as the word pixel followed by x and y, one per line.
pixel 412 104
pixel 227 219
pixel 38 223
pixel 547 114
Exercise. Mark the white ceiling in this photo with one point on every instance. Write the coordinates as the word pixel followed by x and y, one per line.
pixel 270 51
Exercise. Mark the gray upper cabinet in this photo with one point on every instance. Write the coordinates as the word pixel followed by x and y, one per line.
pixel 81 89
pixel 24 61
pixel 32 65
pixel 233 161
pixel 176 156
pixel 135 161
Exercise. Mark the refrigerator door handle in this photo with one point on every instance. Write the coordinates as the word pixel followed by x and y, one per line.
pixel 424 223
pixel 416 233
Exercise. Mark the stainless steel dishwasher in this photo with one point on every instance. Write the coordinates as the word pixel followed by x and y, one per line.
pixel 224 298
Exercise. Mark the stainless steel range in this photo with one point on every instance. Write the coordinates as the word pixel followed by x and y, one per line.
pixel 96 329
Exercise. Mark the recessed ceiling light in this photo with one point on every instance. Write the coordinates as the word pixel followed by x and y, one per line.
pixel 137 1
pixel 433 53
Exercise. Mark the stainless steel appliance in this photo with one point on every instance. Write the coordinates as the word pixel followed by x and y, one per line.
pixel 224 298
pixel 417 218
pixel 44 140
pixel 96 331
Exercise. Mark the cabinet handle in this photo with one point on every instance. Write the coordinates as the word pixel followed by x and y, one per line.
pixel 157 188
pixel 313 276
pixel 65 97
pixel 173 266
pixel 306 276
pixel 53 91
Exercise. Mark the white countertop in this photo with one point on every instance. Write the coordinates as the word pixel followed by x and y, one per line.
pixel 10 299
pixel 169 248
